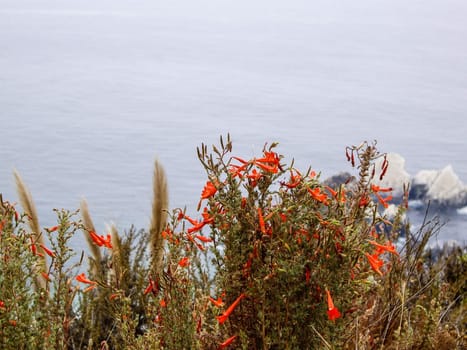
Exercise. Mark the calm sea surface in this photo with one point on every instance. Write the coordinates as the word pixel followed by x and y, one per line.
pixel 91 92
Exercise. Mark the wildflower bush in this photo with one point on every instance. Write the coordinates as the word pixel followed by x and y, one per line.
pixel 277 259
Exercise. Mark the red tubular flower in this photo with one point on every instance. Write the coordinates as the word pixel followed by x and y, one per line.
pixel 389 247
pixel 33 247
pixel 222 318
pixel 46 276
pixel 295 179
pixel 318 195
pixel 153 287
pixel 52 229
pixel 108 241
pixel 148 289
pixel 101 240
pixel 364 201
pixel 91 287
pixel 48 251
pixel 237 170
pixel 197 227
pixel 382 200
pixel 203 239
pixel 209 190
pixel 375 262
pixel 189 219
pixel 227 342
pixel 333 312
pixel 254 177
pixel 207 218
pixel 269 157
pixel 82 278
pixel 243 161
pixel 218 302
pixel 268 168
pixel 262 225
pixel 376 188
pixel 184 262
pixel 269 163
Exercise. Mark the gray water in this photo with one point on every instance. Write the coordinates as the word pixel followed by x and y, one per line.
pixel 91 92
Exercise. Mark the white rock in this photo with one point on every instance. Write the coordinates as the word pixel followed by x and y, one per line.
pixel 443 186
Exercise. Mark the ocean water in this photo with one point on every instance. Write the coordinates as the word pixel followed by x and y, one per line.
pixel 91 92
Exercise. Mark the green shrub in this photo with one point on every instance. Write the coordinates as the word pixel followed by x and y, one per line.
pixel 277 259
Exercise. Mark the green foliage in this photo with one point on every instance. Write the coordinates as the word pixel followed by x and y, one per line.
pixel 277 259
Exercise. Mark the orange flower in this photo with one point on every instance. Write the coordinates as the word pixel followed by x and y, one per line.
pixel 108 241
pixel 364 201
pixel 203 239
pixel 209 190
pixel 318 195
pixel 196 227
pixel 34 249
pixel 376 188
pixel 227 342
pixel 375 262
pixel 52 229
pixel 254 177
pixel 48 251
pixel 89 288
pixel 207 218
pixel 269 157
pixel 382 200
pixel 153 287
pixel 46 276
pixel 333 312
pixel 148 289
pixel 389 247
pixel 269 163
pixel 268 168
pixel 340 196
pixel 184 262
pixel 237 170
pixel 222 318
pixel 262 226
pixel 101 240
pixel 82 278
pixel 189 219
pixel 218 302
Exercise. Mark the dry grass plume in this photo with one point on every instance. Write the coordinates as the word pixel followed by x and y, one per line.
pixel 89 226
pixel 158 216
pixel 25 199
